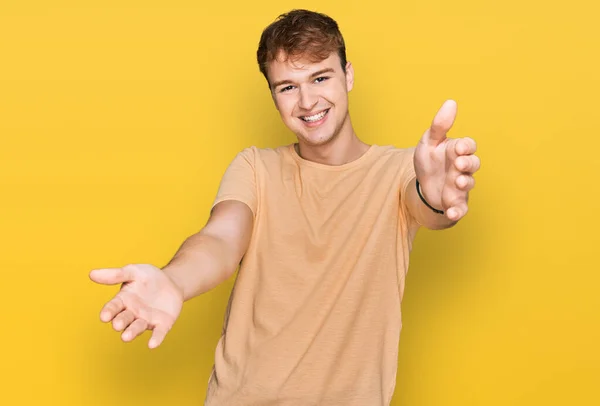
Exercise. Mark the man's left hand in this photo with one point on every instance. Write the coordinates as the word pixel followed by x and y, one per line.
pixel 445 166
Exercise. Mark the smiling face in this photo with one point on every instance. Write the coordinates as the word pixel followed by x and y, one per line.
pixel 312 97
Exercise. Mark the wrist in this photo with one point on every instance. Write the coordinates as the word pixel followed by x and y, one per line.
pixel 171 273
pixel 422 197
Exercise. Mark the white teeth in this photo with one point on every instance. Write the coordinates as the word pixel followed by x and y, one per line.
pixel 316 117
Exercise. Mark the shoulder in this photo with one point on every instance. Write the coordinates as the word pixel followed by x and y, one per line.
pixel 266 156
pixel 395 155
pixel 397 152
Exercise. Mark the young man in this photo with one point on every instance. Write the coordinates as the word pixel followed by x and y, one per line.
pixel 323 229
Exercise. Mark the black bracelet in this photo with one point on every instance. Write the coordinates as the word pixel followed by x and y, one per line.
pixel 425 201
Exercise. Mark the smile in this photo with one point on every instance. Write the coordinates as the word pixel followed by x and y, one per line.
pixel 315 117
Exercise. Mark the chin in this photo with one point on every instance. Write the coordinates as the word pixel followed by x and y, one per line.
pixel 315 141
pixel 317 138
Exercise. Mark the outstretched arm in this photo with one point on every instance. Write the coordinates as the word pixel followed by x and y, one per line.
pixel 211 256
pixel 151 298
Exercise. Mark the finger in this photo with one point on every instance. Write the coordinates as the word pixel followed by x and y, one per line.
pixel 111 276
pixel 467 163
pixel 465 146
pixel 442 122
pixel 111 309
pixel 158 336
pixel 135 329
pixel 457 212
pixel 122 320
pixel 465 182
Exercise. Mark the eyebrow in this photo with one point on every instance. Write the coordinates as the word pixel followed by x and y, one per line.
pixel 312 75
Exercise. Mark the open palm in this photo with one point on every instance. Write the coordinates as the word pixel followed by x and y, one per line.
pixel 148 300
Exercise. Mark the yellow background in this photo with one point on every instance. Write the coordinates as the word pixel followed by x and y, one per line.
pixel 117 120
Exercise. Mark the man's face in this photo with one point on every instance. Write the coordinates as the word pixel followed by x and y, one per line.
pixel 312 98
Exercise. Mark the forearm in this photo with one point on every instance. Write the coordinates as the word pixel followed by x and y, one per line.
pixel 202 262
pixel 423 214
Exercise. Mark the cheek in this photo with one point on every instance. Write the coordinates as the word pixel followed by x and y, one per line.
pixel 285 106
pixel 336 94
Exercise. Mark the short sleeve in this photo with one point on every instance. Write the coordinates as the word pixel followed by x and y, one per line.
pixel 407 174
pixel 239 181
pixel 407 168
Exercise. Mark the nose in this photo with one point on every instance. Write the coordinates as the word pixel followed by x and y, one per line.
pixel 308 99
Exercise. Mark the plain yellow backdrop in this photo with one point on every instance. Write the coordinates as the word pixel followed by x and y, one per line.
pixel 118 118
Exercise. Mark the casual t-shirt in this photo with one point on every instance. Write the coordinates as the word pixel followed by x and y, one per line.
pixel 314 316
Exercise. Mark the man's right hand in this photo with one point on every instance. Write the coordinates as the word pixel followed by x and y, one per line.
pixel 148 300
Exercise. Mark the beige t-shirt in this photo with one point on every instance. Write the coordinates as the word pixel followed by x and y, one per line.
pixel 314 317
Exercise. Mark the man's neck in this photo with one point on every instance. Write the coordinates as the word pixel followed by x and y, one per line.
pixel 344 148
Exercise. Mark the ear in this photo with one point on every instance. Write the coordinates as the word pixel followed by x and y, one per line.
pixel 349 76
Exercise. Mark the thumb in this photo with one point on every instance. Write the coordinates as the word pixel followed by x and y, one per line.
pixel 158 336
pixel 442 122
pixel 111 276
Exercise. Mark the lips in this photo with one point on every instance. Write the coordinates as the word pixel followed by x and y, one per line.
pixel 310 118
pixel 315 118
